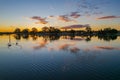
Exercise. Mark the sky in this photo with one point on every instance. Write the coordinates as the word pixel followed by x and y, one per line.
pixel 59 13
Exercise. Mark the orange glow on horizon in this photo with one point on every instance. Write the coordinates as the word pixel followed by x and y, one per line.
pixel 94 27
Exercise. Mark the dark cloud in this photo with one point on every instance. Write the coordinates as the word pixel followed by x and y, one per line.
pixel 108 17
pixel 40 20
pixel 75 15
pixel 75 26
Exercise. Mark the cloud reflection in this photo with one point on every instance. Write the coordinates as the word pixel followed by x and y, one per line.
pixel 42 44
pixel 69 47
pixel 64 46
pixel 74 50
pixel 107 47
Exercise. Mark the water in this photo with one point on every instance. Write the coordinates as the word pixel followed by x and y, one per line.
pixel 30 57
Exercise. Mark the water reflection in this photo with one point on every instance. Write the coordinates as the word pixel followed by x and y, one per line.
pixel 71 47
pixel 108 37
pixel 9 42
pixel 34 37
pixel 16 44
pixel 51 37
pixel 67 55
pixel 17 36
pixel 41 44
pixel 64 46
pixel 25 36
pixel 107 47
pixel 88 38
pixel 57 37
pixel 75 50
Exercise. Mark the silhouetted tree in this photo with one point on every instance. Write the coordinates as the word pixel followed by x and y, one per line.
pixel 17 30
pixel 72 31
pixel 34 30
pixel 50 30
pixel 25 31
pixel 113 31
pixel 45 29
pixel 107 31
pixel 88 29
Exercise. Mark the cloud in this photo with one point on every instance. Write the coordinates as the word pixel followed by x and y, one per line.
pixel 64 18
pixel 42 44
pixel 92 8
pixel 108 17
pixel 75 26
pixel 107 47
pixel 78 39
pixel 40 20
pixel 69 18
pixel 64 46
pixel 74 50
pixel 51 16
pixel 75 15
pixel 69 47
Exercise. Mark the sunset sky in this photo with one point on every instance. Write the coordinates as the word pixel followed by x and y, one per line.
pixel 59 13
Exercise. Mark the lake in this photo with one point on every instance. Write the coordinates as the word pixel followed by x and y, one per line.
pixel 36 57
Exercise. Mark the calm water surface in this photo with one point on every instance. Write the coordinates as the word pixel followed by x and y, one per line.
pixel 29 57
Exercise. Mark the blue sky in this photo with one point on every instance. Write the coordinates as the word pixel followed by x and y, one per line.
pixel 18 12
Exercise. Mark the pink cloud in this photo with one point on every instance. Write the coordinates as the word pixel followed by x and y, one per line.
pixel 75 26
pixel 107 47
pixel 42 44
pixel 40 20
pixel 75 15
pixel 74 49
pixel 64 18
pixel 108 17
pixel 64 46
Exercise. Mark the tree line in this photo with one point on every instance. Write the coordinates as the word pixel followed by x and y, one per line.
pixel 35 30
pixel 53 30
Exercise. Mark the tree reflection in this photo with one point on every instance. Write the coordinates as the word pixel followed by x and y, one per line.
pixel 72 36
pixel 88 38
pixel 51 37
pixel 17 36
pixel 15 44
pixel 25 36
pixel 9 42
pixel 34 37
pixel 108 37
